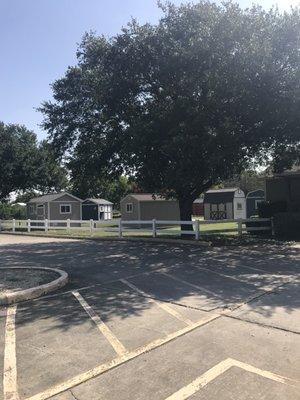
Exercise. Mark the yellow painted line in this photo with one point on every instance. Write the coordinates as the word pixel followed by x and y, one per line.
pixel 10 386
pixel 224 275
pixel 202 381
pixel 192 285
pixel 101 369
pixel 219 369
pixel 266 374
pixel 113 340
pixel 160 304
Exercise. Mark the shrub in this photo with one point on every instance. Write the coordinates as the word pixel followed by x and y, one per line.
pixel 268 210
pixel 9 211
pixel 287 225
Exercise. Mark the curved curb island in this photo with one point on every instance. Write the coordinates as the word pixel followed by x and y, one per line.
pixel 36 291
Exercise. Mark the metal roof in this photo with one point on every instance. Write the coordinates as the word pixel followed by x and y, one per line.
pixel 148 197
pixel 199 201
pixel 217 196
pixel 256 194
pixel 225 190
pixel 99 201
pixel 50 197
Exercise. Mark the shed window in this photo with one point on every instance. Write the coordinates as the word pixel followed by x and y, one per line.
pixel 65 208
pixel 239 206
pixel 31 208
pixel 129 207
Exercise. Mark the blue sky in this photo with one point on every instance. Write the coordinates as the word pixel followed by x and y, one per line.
pixel 38 41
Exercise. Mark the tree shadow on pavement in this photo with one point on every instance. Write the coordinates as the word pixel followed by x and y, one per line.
pixel 204 278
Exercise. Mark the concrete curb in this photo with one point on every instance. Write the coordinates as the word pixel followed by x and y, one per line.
pixel 113 238
pixel 37 291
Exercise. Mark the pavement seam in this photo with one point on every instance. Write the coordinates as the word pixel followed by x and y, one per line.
pixel 261 324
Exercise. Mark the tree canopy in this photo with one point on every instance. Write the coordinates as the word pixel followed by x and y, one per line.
pixel 183 104
pixel 27 164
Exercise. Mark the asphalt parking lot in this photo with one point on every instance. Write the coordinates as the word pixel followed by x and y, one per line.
pixel 153 321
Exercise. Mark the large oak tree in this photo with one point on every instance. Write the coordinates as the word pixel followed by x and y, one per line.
pixel 26 164
pixel 183 104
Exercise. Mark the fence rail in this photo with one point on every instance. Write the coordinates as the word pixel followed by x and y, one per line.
pixel 152 227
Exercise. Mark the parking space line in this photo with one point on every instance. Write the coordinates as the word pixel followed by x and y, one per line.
pixel 202 381
pixel 192 285
pixel 224 275
pixel 113 340
pixel 265 374
pixel 101 369
pixel 219 369
pixel 10 386
pixel 160 304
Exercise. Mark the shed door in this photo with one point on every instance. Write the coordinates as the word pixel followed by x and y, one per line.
pixel 40 211
pixel 218 211
pixel 90 211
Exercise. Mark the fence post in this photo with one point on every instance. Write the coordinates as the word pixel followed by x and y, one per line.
pixel 154 228
pixel 197 229
pixel 14 225
pixel 120 228
pixel 28 225
pixel 240 227
pixel 68 225
pixel 91 226
pixel 272 227
pixel 0 225
pixel 46 225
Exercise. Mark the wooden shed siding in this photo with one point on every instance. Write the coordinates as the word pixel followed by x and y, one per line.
pixel 55 210
pixel 135 212
pixel 163 210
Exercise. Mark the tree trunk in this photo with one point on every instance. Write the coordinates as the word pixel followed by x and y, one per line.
pixel 185 208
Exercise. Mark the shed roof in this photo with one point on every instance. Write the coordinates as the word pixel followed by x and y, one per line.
pixel 99 201
pixel 199 201
pixel 219 195
pixel 259 193
pixel 148 197
pixel 50 197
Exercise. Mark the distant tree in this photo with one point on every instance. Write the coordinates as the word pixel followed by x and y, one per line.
pixel 24 197
pixel 50 175
pixel 25 164
pixel 112 189
pixel 184 104
pixel 248 181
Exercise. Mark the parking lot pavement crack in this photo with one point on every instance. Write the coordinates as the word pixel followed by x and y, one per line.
pixel 73 395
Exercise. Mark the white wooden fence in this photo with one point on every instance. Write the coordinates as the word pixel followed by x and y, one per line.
pixel 152 227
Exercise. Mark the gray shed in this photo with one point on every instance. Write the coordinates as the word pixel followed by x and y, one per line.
pixel 138 206
pixel 252 200
pixel 97 209
pixel 55 206
pixel 229 203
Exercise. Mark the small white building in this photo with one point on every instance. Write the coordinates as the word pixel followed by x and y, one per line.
pixel 229 203
pixel 97 209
